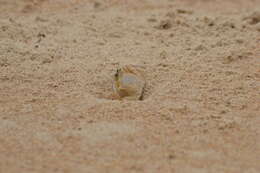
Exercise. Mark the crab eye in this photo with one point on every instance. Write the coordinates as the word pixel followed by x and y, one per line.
pixel 117 73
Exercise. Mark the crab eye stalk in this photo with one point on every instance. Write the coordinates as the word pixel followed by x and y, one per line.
pixel 117 73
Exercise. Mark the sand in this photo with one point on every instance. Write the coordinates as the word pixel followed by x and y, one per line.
pixel 201 107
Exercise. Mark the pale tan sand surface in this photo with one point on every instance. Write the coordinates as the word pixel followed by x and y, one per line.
pixel 201 106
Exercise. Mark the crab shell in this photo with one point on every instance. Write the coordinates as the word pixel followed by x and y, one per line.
pixel 129 83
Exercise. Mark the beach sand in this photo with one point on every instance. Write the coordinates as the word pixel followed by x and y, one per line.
pixel 201 106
